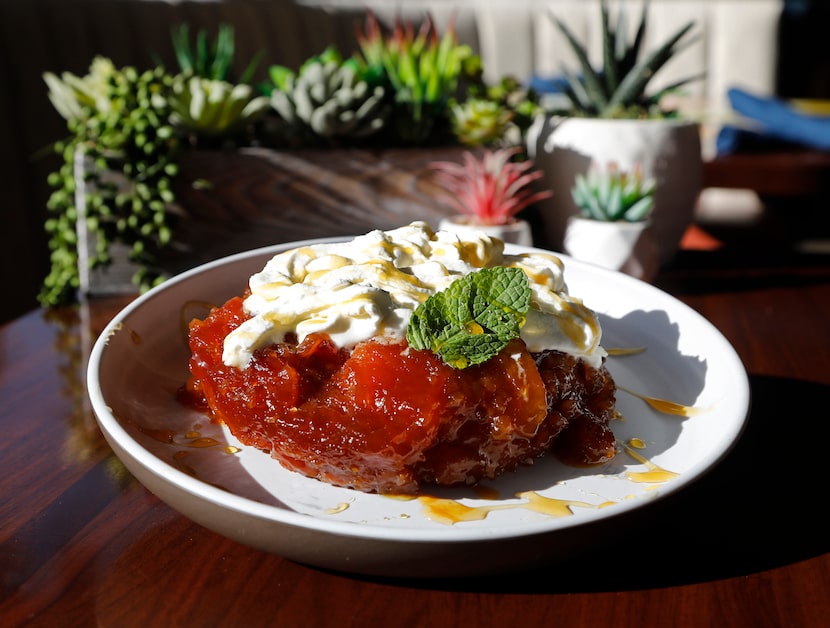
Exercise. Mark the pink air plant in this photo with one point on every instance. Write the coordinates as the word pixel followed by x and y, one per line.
pixel 490 190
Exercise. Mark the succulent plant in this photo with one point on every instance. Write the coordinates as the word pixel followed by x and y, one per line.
pixel 480 122
pixel 423 70
pixel 491 189
pixel 494 113
pixel 212 107
pixel 205 101
pixel 125 128
pixel 613 194
pixel 213 62
pixel 618 88
pixel 335 98
pixel 75 97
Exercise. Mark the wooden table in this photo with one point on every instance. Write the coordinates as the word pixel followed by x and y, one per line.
pixel 82 543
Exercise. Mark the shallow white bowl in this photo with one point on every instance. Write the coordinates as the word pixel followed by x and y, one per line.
pixel 140 361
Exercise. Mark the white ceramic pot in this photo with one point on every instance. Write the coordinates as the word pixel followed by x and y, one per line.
pixel 515 232
pixel 667 150
pixel 623 246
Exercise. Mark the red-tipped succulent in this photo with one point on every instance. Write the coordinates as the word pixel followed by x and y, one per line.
pixel 491 189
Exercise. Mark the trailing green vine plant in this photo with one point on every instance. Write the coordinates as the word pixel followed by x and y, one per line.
pixel 119 122
pixel 129 128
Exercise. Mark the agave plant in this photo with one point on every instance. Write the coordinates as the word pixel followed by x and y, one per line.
pixel 205 101
pixel 423 70
pixel 334 98
pixel 491 189
pixel 618 87
pixel 614 194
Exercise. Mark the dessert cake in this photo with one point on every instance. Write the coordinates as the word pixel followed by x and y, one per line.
pixel 407 358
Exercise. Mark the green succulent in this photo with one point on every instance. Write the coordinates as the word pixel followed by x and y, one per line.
pixel 213 107
pixel 423 70
pixel 494 113
pixel 614 195
pixel 336 99
pixel 618 88
pixel 124 129
pixel 479 122
pixel 74 97
pixel 214 61
pixel 205 101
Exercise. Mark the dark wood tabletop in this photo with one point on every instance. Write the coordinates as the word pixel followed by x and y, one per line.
pixel 82 543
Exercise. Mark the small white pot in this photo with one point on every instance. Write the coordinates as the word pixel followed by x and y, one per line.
pixel 622 246
pixel 516 231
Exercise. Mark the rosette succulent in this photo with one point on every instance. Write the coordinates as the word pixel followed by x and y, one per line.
pixel 213 108
pixel 335 99
pixel 491 189
pixel 74 97
pixel 494 113
pixel 614 194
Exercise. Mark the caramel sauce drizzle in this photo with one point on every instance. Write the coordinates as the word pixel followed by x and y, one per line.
pixel 193 439
pixel 342 506
pixel 134 335
pixel 654 474
pixel 661 405
pixel 623 351
pixel 665 406
pixel 451 511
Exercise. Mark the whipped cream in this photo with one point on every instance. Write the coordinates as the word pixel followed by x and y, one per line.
pixel 368 288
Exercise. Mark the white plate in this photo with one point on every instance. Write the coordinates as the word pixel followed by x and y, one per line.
pixel 140 361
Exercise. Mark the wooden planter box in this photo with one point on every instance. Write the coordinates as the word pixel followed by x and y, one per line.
pixel 233 201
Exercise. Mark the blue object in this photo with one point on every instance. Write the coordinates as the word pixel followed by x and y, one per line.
pixel 548 84
pixel 777 121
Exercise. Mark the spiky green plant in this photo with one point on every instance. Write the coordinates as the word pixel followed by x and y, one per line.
pixel 613 194
pixel 423 70
pixel 205 100
pixel 490 189
pixel 211 61
pixel 618 88
pixel 335 98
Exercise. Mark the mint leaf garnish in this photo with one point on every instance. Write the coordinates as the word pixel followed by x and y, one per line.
pixel 474 318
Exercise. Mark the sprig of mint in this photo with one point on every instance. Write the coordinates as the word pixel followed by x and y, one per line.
pixel 474 318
